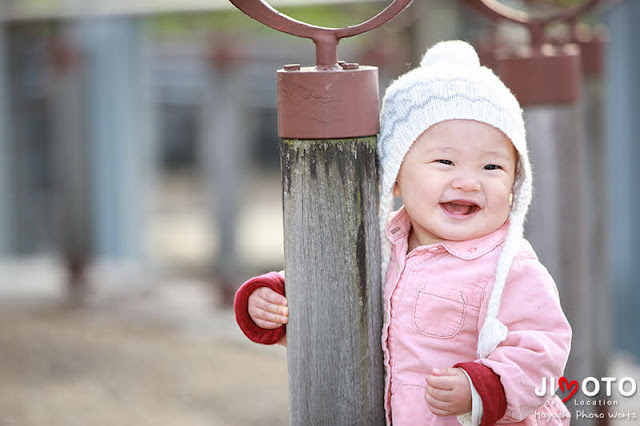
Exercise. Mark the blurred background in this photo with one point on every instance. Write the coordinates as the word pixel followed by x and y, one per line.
pixel 140 186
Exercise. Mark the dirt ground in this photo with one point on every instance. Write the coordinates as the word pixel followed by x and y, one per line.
pixel 148 349
pixel 102 367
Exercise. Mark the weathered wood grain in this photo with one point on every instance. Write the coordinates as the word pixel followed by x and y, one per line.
pixel 332 262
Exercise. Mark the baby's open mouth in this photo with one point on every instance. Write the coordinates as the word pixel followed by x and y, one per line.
pixel 460 208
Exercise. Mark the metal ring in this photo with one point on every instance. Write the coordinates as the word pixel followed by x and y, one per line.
pixel 496 11
pixel 326 39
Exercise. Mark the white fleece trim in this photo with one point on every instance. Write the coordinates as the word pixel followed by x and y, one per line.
pixel 473 417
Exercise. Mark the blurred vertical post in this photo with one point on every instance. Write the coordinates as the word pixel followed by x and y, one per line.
pixel 119 116
pixel 71 165
pixel 623 155
pixel 592 44
pixel 6 209
pixel 224 144
pixel 547 81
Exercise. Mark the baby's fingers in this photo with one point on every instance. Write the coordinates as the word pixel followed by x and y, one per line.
pixel 265 299
pixel 271 296
pixel 437 407
pixel 439 394
pixel 264 312
pixel 441 382
pixel 270 301
pixel 269 325
pixel 260 314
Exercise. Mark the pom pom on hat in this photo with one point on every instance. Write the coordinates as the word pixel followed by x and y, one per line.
pixel 454 52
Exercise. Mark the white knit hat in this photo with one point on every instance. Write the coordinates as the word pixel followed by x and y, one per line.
pixel 451 84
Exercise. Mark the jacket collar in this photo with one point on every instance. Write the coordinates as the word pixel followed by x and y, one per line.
pixel 400 224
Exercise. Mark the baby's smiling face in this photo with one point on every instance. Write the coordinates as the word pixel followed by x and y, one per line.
pixel 456 182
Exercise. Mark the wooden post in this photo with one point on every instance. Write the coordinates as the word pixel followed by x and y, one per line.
pixel 71 166
pixel 29 142
pixel 592 45
pixel 597 216
pixel 332 261
pixel 6 164
pixel 120 122
pixel 224 145
pixel 547 83
pixel 328 119
pixel 623 152
pixel 332 243
pixel 557 221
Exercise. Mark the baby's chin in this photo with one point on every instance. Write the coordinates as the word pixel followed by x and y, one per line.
pixel 472 228
pixel 460 236
pixel 465 233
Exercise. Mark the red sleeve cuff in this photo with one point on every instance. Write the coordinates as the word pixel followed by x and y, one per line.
pixel 274 281
pixel 487 383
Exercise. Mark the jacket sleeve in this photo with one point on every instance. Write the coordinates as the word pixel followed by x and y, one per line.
pixel 491 393
pixel 538 340
pixel 274 281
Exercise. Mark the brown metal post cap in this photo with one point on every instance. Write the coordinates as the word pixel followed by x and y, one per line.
pixel 328 103
pixel 546 76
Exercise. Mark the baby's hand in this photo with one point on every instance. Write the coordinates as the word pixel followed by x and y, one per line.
pixel 448 392
pixel 268 309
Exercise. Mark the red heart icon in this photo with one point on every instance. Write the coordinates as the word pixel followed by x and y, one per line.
pixel 573 386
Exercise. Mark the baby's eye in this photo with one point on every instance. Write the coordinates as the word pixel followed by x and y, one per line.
pixel 447 162
pixel 492 167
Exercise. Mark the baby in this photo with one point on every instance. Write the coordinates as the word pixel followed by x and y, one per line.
pixel 472 322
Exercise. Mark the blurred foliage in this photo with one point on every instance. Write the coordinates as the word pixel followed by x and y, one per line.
pixel 334 16
pixel 189 25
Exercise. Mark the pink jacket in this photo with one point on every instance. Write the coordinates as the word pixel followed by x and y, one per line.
pixel 435 302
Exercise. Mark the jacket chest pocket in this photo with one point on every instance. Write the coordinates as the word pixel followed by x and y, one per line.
pixel 439 312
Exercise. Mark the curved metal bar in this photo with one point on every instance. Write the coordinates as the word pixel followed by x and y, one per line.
pixel 496 10
pixel 326 39
pixel 264 13
pixel 377 21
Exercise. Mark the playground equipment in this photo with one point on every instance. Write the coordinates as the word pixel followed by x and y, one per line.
pixel 328 122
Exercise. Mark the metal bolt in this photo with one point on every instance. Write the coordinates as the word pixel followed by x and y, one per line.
pixel 292 67
pixel 351 66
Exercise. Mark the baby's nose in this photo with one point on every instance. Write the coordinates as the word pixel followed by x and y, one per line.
pixel 466 183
